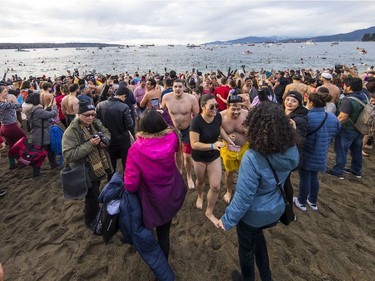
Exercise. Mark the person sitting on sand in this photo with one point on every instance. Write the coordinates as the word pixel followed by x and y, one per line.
pixel 232 119
pixel 182 107
pixel 257 204
pixel 205 130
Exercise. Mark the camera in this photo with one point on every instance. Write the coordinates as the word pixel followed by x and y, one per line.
pixel 104 140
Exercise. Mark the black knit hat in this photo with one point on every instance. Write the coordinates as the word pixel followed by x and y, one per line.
pixel 84 106
pixel 296 95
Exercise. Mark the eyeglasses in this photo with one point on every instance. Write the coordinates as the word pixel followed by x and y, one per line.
pixel 89 115
pixel 213 106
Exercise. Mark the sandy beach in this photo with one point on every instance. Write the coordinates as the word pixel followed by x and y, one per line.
pixel 43 236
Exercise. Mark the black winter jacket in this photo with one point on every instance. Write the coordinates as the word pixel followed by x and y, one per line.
pixel 115 116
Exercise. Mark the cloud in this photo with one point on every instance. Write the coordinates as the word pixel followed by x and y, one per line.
pixel 177 22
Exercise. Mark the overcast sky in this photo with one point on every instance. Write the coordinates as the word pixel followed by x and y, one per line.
pixel 176 21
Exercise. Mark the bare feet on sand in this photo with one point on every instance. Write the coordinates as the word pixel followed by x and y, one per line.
pixel 227 197
pixel 199 203
pixel 212 218
pixel 191 184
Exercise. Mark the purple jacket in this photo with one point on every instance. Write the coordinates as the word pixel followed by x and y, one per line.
pixel 151 171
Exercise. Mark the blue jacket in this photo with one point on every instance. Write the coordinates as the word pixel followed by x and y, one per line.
pixel 134 232
pixel 258 201
pixel 316 147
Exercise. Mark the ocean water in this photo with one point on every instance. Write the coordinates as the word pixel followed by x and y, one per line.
pixel 51 62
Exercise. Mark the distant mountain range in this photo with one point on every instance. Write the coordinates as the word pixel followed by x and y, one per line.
pixel 351 36
pixel 54 45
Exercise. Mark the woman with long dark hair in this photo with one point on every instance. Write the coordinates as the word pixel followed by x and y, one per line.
pixel 257 203
pixel 151 171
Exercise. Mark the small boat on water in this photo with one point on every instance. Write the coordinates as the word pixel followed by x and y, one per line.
pixel 170 45
pixel 80 48
pixel 334 43
pixel 22 50
pixel 191 46
pixel 251 44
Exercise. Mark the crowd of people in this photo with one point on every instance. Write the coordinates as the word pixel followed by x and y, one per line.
pixel 164 126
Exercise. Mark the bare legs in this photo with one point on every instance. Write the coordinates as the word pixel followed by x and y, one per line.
pixel 228 184
pixel 188 163
pixel 213 171
pixel 186 160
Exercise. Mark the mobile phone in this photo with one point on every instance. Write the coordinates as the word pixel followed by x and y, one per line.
pixel 155 103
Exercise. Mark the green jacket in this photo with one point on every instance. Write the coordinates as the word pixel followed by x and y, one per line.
pixel 75 150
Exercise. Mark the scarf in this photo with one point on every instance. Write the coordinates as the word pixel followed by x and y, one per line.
pixel 98 158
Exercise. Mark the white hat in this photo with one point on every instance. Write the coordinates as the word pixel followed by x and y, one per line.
pixel 327 76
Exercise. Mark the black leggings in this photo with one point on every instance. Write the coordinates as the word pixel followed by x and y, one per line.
pixel 162 232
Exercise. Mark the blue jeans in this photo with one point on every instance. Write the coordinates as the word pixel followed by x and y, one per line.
pixel 308 186
pixel 348 140
pixel 251 242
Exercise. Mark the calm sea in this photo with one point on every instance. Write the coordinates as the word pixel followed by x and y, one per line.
pixel 37 62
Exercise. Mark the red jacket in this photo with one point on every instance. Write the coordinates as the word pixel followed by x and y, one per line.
pixel 223 91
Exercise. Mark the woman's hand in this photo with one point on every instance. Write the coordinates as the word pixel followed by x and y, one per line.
pixel 220 224
pixel 218 145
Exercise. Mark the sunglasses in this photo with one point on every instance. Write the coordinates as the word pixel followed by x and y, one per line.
pixel 89 115
pixel 213 106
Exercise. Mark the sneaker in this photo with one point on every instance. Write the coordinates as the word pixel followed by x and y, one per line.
pixel 300 206
pixel 348 171
pixel 312 205
pixel 330 172
pixel 2 192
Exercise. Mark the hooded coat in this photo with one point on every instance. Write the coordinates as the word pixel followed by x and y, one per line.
pixel 151 171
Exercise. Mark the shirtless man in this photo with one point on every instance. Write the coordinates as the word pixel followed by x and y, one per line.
pixel 296 85
pixel 246 88
pixel 182 107
pixel 69 104
pixel 334 91
pixel 232 119
pixel 45 96
pixel 151 99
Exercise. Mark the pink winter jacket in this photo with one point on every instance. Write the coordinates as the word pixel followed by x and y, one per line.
pixel 151 171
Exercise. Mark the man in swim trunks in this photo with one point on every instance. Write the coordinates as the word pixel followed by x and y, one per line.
pixel 232 119
pixel 182 107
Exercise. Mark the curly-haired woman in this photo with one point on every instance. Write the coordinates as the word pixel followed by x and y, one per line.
pixel 257 203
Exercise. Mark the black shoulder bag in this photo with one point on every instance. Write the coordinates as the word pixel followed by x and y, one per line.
pixel 318 128
pixel 288 216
